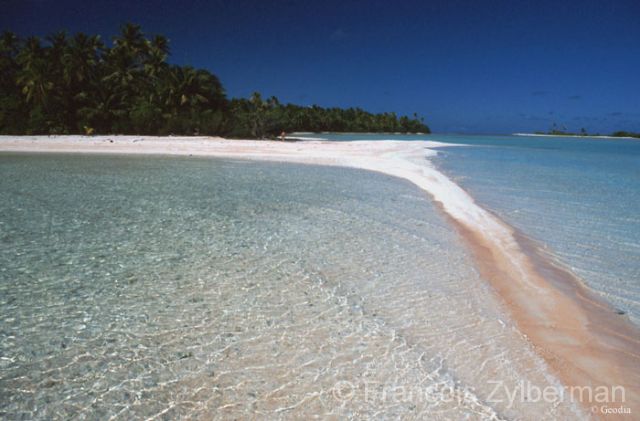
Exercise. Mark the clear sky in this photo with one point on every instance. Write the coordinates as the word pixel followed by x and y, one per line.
pixel 466 66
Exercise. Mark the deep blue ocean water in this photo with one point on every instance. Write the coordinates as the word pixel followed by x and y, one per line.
pixel 578 197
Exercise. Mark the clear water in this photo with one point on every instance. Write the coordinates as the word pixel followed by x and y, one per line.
pixel 158 288
pixel 579 197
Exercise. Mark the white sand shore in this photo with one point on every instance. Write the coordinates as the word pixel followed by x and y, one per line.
pixel 581 338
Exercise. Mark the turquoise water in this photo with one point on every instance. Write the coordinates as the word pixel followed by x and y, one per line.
pixel 578 197
pixel 164 288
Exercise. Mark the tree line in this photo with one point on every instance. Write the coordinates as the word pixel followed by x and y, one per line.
pixel 583 132
pixel 78 85
pixel 557 130
pixel 621 133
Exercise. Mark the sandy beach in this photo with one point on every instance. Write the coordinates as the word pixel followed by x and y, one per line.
pixel 580 337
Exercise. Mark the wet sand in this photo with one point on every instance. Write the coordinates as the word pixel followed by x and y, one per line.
pixel 581 338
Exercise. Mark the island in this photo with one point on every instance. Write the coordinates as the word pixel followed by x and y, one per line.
pixel 582 133
pixel 80 85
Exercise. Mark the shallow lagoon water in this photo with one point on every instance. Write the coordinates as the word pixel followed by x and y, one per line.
pixel 578 197
pixel 135 288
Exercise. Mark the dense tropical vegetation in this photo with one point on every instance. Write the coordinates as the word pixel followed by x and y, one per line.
pixel 557 131
pixel 77 84
pixel 625 134
pixel 584 133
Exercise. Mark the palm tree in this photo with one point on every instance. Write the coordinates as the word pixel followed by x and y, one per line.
pixel 81 59
pixel 9 47
pixel 185 89
pixel 81 74
pixel 34 70
pixel 156 61
pixel 124 67
pixel 133 43
pixel 101 110
pixel 12 107
pixel 188 88
pixel 257 115
pixel 36 85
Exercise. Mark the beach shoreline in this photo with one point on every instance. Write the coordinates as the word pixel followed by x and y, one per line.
pixel 580 337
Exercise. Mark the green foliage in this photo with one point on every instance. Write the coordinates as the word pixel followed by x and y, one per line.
pixel 77 84
pixel 583 132
pixel 258 118
pixel 625 134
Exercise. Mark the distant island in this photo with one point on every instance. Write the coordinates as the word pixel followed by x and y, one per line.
pixel 79 85
pixel 582 133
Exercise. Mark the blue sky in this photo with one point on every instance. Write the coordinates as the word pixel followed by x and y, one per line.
pixel 466 66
